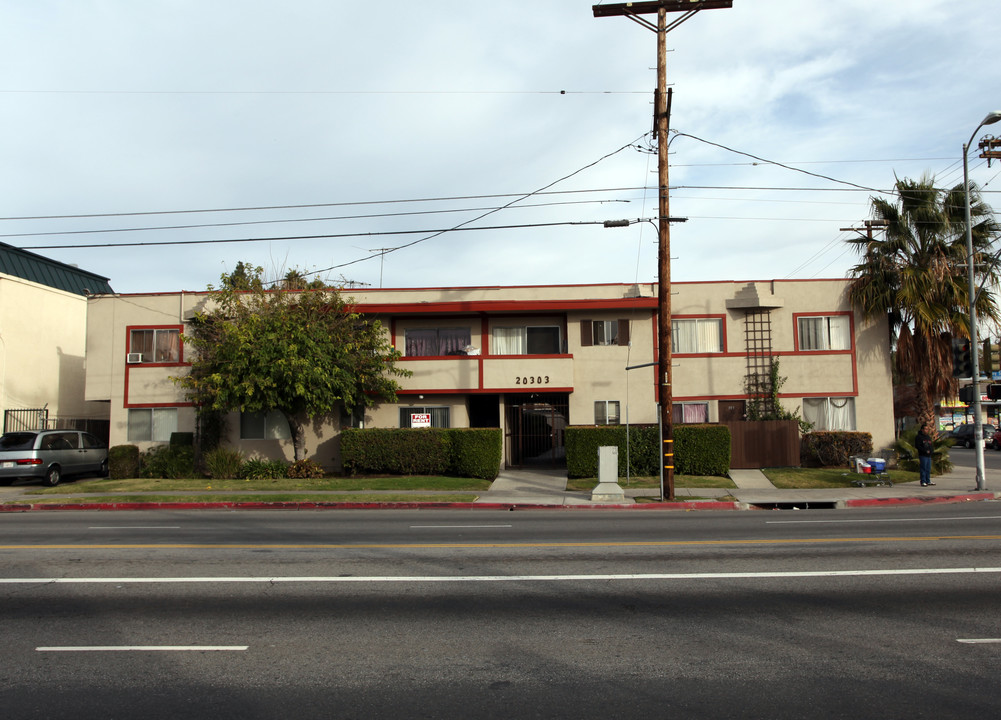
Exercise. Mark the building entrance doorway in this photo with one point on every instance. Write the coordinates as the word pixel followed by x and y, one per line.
pixel 534 430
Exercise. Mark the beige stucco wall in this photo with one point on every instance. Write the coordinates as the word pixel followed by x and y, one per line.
pixel 591 373
pixel 42 350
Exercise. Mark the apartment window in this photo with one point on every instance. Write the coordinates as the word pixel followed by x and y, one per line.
pixel 432 342
pixel 830 332
pixel 152 424
pixel 697 335
pixel 354 419
pixel 690 412
pixel 439 416
pixel 604 332
pixel 156 345
pixel 606 412
pixel 264 426
pixel 835 413
pixel 531 340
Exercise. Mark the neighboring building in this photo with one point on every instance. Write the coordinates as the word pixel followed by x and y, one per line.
pixel 533 360
pixel 43 340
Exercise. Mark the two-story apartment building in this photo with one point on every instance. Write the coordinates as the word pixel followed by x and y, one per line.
pixel 532 360
pixel 43 321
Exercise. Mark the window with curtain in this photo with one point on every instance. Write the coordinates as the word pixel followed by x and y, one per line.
pixel 606 332
pixel 828 332
pixel 440 416
pixel 830 413
pixel 435 342
pixel 264 426
pixel 156 345
pixel 530 340
pixel 697 335
pixel 152 424
pixel 690 412
pixel 606 412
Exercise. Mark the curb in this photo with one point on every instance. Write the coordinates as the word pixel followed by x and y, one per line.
pixel 965 497
pixel 688 505
pixel 54 507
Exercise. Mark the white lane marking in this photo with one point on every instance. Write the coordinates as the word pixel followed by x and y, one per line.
pixel 144 648
pixel 872 520
pixel 134 527
pixel 449 527
pixel 979 641
pixel 500 578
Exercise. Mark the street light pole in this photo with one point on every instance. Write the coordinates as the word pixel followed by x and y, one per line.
pixel 978 428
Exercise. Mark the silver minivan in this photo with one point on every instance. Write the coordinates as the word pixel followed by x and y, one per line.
pixel 50 455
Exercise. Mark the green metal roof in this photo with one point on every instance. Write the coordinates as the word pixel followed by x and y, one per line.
pixel 42 270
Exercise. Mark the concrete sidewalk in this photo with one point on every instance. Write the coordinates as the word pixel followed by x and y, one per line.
pixel 547 487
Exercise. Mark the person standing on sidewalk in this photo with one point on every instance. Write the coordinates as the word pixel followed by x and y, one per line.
pixel 925 448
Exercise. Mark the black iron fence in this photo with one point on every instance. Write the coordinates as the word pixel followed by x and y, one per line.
pixel 27 419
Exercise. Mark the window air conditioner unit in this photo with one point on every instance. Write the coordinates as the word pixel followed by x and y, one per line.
pixel 134 358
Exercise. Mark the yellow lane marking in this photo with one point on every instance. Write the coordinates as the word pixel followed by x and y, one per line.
pixel 499 545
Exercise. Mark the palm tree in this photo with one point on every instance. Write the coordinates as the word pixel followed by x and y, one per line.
pixel 916 275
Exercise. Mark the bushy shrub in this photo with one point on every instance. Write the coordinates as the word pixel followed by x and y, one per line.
pixel 168 461
pixel 698 449
pixel 256 469
pixel 404 451
pixel 476 452
pixel 464 452
pixel 307 469
pixel 182 438
pixel 223 463
pixel 123 462
pixel 834 448
pixel 701 450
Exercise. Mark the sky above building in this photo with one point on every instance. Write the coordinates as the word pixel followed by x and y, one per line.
pixel 444 143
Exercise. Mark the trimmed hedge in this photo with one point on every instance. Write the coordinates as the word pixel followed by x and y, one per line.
pixel 123 462
pixel 426 451
pixel 833 448
pixel 698 449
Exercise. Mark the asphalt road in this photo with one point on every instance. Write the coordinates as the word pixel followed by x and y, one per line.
pixel 477 614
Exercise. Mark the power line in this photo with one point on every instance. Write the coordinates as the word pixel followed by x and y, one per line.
pixel 305 206
pixel 326 236
pixel 323 92
pixel 293 220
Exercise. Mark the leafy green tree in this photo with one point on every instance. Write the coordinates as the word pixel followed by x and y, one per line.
pixel 915 274
pixel 304 353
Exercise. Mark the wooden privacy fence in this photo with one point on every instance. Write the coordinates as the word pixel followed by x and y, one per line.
pixel 764 443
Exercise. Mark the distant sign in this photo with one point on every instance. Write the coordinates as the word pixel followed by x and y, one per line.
pixel 420 420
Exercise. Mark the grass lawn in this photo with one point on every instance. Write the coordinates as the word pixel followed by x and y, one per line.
pixel 807 478
pixel 179 486
pixel 237 497
pixel 680 481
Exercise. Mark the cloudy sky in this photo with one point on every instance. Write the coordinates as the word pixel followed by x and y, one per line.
pixel 318 134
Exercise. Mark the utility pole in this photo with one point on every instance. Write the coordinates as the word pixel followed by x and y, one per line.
pixel 634 11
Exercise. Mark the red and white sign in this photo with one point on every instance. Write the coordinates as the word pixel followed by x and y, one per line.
pixel 418 420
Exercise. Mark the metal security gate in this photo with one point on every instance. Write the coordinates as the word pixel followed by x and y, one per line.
pixel 25 419
pixel 534 430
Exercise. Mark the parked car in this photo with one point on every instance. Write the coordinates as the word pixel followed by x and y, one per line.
pixel 50 455
pixel 963 435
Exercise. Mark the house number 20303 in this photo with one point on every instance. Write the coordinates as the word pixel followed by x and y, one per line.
pixel 532 380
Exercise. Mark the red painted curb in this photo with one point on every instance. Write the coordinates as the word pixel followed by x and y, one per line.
pixel 877 502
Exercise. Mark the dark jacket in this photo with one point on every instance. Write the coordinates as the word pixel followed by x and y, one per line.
pixel 924 444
